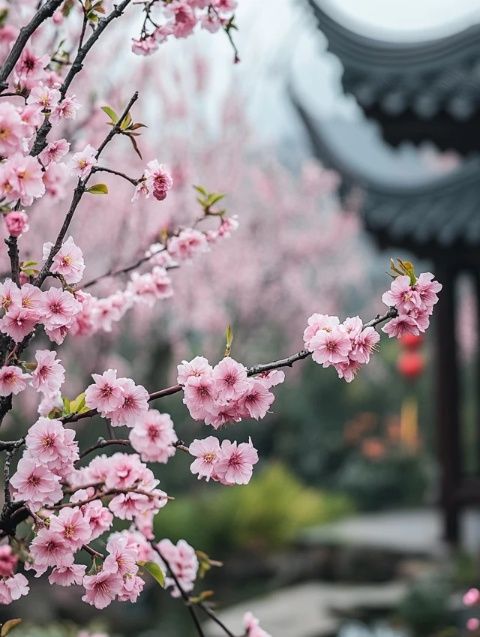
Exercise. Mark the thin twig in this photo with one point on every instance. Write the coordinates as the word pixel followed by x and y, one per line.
pixel 183 593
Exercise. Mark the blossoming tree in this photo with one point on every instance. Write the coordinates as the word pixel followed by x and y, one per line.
pixel 67 497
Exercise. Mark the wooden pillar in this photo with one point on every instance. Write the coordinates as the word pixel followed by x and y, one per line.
pixel 447 403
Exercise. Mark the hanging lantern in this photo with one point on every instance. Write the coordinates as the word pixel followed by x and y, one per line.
pixel 410 364
pixel 410 341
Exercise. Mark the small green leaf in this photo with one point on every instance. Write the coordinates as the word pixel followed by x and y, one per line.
pixel 214 198
pixel 77 405
pixel 229 338
pixel 155 571
pixel 111 113
pixel 28 264
pixel 126 122
pixel 66 406
pixel 98 189
pixel 8 626
pixel 201 190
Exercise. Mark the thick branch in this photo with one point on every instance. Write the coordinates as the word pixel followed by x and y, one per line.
pixel 12 245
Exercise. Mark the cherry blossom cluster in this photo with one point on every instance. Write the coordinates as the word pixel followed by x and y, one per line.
pixel 414 301
pixel 229 463
pixel 347 346
pixel 179 19
pixel 225 393
pixel 12 585
pixel 181 561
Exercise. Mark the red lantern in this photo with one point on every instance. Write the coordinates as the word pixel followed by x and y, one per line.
pixel 410 341
pixel 410 364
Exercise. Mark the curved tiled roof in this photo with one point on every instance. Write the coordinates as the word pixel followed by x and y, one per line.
pixel 400 82
pixel 438 214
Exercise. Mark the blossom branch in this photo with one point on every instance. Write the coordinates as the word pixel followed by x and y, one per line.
pixel 78 194
pixel 183 593
pixel 40 141
pixel 45 12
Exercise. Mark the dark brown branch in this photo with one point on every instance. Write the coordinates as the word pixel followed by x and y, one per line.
pixel 103 169
pixel 45 12
pixel 251 371
pixel 102 443
pixel 12 245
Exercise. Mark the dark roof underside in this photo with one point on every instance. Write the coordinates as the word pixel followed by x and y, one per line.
pixel 437 217
pixel 416 91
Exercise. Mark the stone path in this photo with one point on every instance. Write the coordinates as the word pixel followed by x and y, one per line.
pixel 414 532
pixel 311 609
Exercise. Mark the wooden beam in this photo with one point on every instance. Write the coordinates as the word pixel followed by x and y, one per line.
pixel 447 402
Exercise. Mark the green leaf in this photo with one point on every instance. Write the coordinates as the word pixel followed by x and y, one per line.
pixel 214 198
pixel 77 405
pixel 126 122
pixel 201 190
pixel 28 264
pixel 8 626
pixel 98 189
pixel 111 113
pixel 155 571
pixel 229 338
pixel 66 406
pixel 409 270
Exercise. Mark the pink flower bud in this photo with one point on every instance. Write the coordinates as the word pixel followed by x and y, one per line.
pixel 16 223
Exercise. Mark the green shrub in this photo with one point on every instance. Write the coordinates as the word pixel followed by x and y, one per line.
pixel 268 514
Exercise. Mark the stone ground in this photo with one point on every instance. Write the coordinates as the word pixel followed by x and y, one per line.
pixel 414 532
pixel 311 609
pixel 314 609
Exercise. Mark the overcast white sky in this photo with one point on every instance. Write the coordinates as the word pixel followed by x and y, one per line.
pixel 406 15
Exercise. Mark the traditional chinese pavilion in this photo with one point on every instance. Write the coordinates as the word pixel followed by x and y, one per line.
pixel 419 92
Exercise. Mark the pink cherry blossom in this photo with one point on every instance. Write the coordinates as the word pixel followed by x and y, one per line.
pixel 59 308
pixel 133 406
pixel 8 561
pixel 206 453
pixel 49 374
pixel 35 484
pixel 182 560
pixel 12 588
pixel 17 323
pixel 67 575
pixel 198 366
pixel 102 588
pixel 72 526
pixel 12 130
pixel 48 549
pixel 83 161
pixel 153 437
pixel 257 399
pixel 235 465
pixel 68 261
pixel 106 394
pixel 400 326
pixel 12 380
pixel 230 379
pixel 54 151
pixel 199 396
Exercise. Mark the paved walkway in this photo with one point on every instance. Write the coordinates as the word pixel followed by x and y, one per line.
pixel 414 532
pixel 309 610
